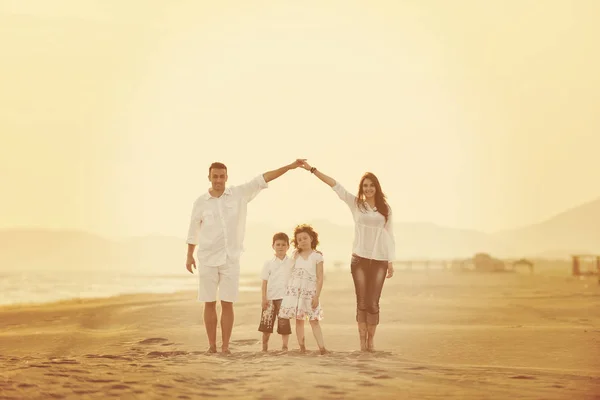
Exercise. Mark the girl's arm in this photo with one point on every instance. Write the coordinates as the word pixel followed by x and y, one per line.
pixel 319 284
pixel 319 278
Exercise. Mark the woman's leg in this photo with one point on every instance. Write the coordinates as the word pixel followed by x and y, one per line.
pixel 318 334
pixel 300 334
pixel 360 288
pixel 375 280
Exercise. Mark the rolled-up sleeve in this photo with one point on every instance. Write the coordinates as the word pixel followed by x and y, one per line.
pixel 250 189
pixel 265 272
pixel 344 195
pixel 195 222
pixel 391 242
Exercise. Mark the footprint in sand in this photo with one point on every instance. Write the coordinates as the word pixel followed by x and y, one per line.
pixel 70 362
pixel 162 386
pixel 109 356
pixel 325 386
pixel 59 375
pixel 368 384
pixel 155 340
pixel 119 386
pixel 522 377
pixel 245 342
pixel 167 353
pixel 100 380
pixel 382 377
pixel 26 385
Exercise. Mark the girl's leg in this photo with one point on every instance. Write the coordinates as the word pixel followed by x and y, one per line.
pixel 375 281
pixel 318 333
pixel 285 339
pixel 360 287
pixel 300 334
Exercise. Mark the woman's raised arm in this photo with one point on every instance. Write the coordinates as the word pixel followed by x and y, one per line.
pixel 328 180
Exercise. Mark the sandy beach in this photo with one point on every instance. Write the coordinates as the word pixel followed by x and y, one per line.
pixel 442 335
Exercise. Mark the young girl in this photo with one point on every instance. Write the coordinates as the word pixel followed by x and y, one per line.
pixel 301 299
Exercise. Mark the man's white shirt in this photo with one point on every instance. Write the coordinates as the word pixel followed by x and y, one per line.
pixel 218 224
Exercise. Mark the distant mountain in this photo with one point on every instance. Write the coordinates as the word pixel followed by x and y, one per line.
pixel 574 231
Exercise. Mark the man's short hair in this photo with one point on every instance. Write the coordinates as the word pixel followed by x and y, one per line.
pixel 281 236
pixel 217 165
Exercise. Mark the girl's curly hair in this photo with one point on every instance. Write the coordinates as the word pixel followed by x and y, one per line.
pixel 311 232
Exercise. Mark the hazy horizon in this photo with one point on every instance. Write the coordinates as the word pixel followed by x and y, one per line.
pixel 474 115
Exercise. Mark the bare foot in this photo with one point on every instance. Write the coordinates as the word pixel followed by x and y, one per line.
pixel 284 348
pixel 370 346
pixel 363 345
pixel 323 350
pixel 225 351
pixel 211 350
pixel 302 348
pixel 265 347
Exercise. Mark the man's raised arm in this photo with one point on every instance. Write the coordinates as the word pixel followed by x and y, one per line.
pixel 276 173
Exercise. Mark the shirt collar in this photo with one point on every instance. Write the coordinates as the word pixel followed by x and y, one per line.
pixel 207 195
pixel 280 261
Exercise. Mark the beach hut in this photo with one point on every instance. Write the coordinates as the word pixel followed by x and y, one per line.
pixel 591 260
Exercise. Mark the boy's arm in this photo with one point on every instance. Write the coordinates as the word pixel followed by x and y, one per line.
pixel 264 302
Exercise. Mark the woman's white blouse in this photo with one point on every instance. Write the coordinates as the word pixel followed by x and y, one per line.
pixel 373 237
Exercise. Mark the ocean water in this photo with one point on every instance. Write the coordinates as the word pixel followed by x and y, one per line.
pixel 26 287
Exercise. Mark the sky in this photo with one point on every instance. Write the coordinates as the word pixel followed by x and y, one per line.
pixel 476 115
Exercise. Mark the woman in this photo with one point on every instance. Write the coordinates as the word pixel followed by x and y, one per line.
pixel 373 248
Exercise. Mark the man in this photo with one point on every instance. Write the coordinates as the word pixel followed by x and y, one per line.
pixel 217 227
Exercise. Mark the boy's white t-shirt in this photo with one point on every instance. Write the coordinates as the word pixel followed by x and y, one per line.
pixel 277 273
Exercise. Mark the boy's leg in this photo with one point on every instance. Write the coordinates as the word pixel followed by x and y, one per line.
pixel 284 327
pixel 265 341
pixel 267 320
pixel 208 281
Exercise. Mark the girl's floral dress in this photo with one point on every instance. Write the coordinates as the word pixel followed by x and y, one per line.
pixel 301 289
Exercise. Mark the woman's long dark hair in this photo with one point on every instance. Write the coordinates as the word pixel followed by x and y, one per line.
pixel 380 199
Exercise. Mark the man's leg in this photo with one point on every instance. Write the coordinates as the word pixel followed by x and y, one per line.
pixel 210 323
pixel 208 280
pixel 227 318
pixel 229 286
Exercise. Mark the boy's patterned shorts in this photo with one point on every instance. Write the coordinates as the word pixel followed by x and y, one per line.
pixel 267 319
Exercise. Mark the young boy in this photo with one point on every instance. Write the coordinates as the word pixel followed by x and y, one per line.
pixel 275 275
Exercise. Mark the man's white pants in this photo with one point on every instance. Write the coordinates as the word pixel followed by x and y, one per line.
pixel 224 278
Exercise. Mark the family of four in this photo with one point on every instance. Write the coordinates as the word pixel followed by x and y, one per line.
pixel 291 285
